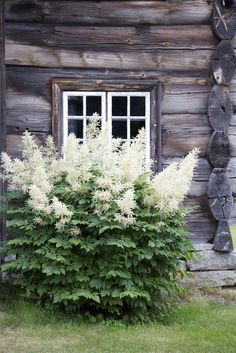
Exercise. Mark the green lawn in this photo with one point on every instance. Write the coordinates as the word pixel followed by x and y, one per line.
pixel 198 326
pixel 233 231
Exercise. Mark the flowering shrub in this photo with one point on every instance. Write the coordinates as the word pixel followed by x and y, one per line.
pixel 93 229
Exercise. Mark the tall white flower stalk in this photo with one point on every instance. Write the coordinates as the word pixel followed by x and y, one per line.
pixel 114 167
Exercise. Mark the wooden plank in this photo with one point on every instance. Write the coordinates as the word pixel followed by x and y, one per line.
pixel 35 121
pixel 203 170
pixel 177 96
pixel 126 38
pixel 110 12
pixel 173 60
pixel 201 224
pixel 2 106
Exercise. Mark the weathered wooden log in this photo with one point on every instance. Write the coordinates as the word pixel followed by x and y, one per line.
pixel 223 63
pixel 223 239
pixel 109 12
pixel 173 60
pixel 219 149
pixel 224 19
pixel 220 194
pixel 219 108
pixel 126 37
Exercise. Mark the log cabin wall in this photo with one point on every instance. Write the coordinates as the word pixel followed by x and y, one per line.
pixel 168 41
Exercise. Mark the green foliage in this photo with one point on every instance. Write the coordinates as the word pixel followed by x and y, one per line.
pixel 94 264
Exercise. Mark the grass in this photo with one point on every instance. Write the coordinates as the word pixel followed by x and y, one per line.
pixel 233 232
pixel 203 324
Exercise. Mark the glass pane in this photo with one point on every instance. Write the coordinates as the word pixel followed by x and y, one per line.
pixel 93 105
pixel 75 105
pixel 137 106
pixel 119 129
pixel 135 126
pixel 75 127
pixel 119 106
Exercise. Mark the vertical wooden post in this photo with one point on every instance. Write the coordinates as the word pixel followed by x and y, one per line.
pixel 219 113
pixel 2 104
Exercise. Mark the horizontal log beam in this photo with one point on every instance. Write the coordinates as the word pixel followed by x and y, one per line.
pixel 126 38
pixel 173 60
pixel 110 12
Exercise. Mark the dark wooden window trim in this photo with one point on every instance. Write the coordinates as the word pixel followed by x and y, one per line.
pixel 155 89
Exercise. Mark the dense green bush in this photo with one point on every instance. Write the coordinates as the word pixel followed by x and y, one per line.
pixel 96 247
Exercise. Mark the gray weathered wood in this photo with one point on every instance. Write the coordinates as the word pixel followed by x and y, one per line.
pixel 220 108
pixel 173 60
pixel 223 20
pixel 223 63
pixel 223 239
pixel 112 37
pixel 110 12
pixel 219 149
pixel 220 194
pixel 2 106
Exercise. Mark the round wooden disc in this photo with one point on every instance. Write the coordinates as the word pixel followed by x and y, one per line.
pixel 223 64
pixel 224 19
pixel 219 108
pixel 219 194
pixel 219 149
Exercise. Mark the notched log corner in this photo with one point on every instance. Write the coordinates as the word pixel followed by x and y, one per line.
pixel 223 239
pixel 219 194
pixel 219 149
pixel 223 64
pixel 220 108
pixel 224 19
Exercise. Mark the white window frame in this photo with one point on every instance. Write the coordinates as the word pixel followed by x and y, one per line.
pixel 128 117
pixel 83 117
pixel 106 110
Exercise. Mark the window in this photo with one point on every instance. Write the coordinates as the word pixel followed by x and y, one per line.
pixel 126 105
pixel 125 112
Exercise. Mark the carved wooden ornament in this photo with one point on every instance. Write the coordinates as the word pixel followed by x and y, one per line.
pixel 223 63
pixel 219 108
pixel 219 149
pixel 223 239
pixel 220 195
pixel 224 19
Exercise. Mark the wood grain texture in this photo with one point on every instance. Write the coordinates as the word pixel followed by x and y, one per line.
pixel 112 37
pixel 220 108
pixel 223 20
pixel 220 194
pixel 174 60
pixel 183 94
pixel 2 107
pixel 223 64
pixel 110 12
pixel 223 239
pixel 219 149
